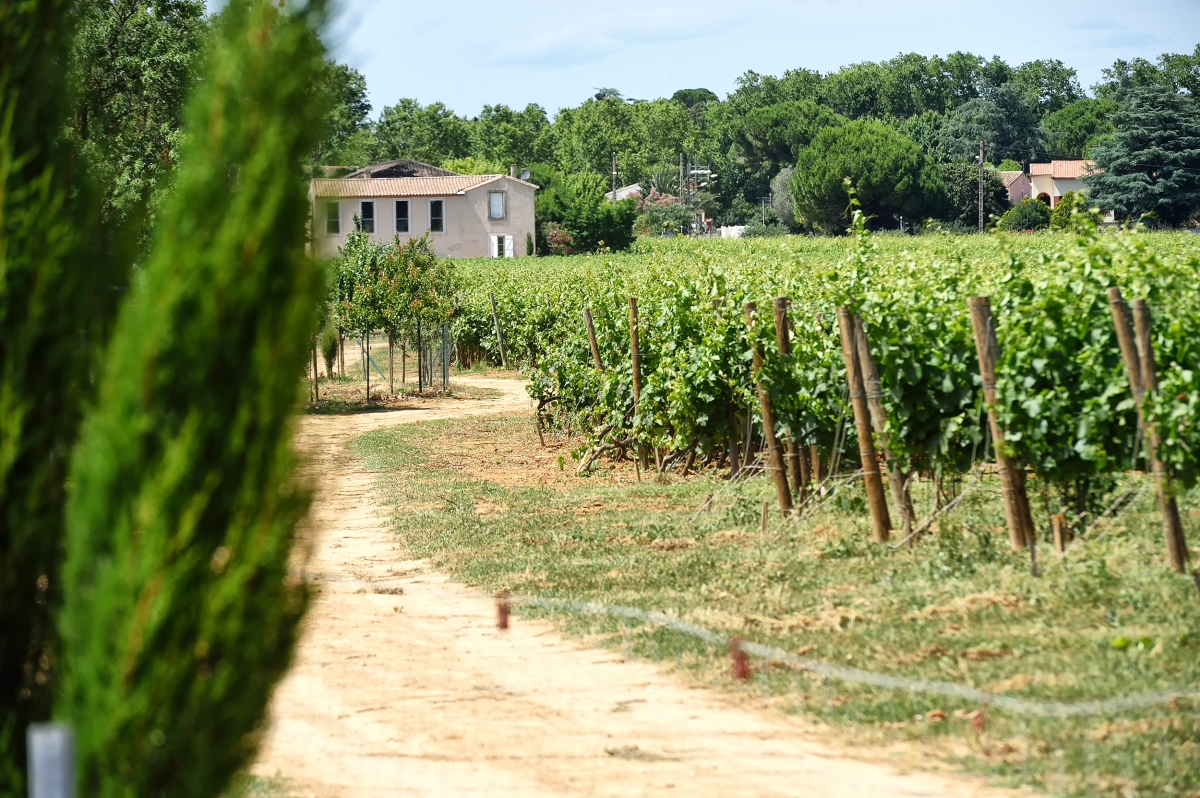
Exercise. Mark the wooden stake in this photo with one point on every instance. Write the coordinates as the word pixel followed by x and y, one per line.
pixel 499 338
pixel 731 420
pixel 774 451
pixel 741 661
pixel 1177 551
pixel 874 390
pixel 316 378
pixel 817 470
pixel 591 331
pixel 635 355
pixel 783 340
pixel 367 363
pixel 1062 536
pixel 881 523
pixel 1012 479
pixel 391 364
pixel 403 363
pixel 502 610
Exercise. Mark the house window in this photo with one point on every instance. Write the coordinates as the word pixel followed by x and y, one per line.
pixel 367 220
pixel 496 204
pixel 401 216
pixel 333 218
pixel 501 246
pixel 437 216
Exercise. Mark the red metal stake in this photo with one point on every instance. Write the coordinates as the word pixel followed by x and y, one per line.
pixel 741 661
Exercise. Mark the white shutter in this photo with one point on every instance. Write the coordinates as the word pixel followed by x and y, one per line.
pixel 508 246
pixel 493 246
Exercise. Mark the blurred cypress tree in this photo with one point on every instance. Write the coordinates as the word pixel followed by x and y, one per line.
pixel 56 299
pixel 179 612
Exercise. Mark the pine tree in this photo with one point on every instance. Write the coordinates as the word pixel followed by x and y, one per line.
pixel 179 612
pixel 1151 164
pixel 56 298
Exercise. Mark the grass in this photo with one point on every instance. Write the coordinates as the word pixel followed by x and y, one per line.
pixel 259 787
pixel 480 499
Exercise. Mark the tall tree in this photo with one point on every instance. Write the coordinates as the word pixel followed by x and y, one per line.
pixel 774 135
pixel 1151 164
pixel 505 136
pixel 889 171
pixel 961 180
pixel 136 66
pixel 1074 129
pixel 430 133
pixel 1050 83
pixel 349 141
pixel 1005 120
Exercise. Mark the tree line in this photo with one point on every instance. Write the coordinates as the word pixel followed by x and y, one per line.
pixel 905 130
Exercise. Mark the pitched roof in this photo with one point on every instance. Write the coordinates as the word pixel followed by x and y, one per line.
pixel 401 186
pixel 1063 170
pixel 1011 177
pixel 403 168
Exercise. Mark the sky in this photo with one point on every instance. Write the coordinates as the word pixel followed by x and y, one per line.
pixel 468 53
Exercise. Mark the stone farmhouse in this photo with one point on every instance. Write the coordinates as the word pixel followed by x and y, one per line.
pixel 465 216
pixel 1051 181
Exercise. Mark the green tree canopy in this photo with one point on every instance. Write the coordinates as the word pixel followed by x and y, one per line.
pixel 691 97
pixel 775 134
pixel 1151 163
pixel 890 173
pixel 1028 214
pixel 505 136
pixel 961 180
pixel 430 133
pixel 349 141
pixel 1049 83
pixel 1005 120
pixel 1074 129
pixel 137 63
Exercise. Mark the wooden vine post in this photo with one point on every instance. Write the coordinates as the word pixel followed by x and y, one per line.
pixel 635 356
pixel 591 332
pixel 796 465
pixel 499 339
pixel 874 389
pixel 1177 551
pixel 367 362
pixel 881 523
pixel 316 377
pixel 391 364
pixel 774 450
pixel 1012 479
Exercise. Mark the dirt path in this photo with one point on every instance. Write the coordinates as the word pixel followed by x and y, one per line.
pixel 417 693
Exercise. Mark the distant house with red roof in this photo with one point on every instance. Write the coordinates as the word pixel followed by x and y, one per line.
pixel 1018 185
pixel 1051 181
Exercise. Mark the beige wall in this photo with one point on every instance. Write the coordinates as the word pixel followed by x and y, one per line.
pixel 1056 189
pixel 466 216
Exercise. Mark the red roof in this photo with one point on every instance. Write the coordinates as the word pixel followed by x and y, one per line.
pixel 1011 177
pixel 1063 170
pixel 405 186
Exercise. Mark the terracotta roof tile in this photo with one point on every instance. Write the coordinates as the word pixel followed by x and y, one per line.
pixel 1063 170
pixel 402 186
pixel 1011 177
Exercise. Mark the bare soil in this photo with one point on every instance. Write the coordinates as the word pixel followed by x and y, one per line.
pixel 402 684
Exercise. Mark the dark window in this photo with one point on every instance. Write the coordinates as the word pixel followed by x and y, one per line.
pixel 333 218
pixel 437 218
pixel 401 216
pixel 368 216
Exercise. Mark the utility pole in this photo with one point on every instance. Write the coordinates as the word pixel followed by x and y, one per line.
pixel 614 179
pixel 981 186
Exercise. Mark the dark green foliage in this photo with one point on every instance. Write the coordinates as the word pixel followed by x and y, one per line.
pixel 889 172
pixel 962 193
pixel 1151 165
pixel 578 204
pixel 1028 214
pixel 691 97
pixel 179 611
pixel 666 219
pixel 328 344
pixel 505 136
pixel 775 135
pixel 1069 206
pixel 1005 120
pixel 430 133
pixel 1176 71
pixel 1049 83
pixel 56 298
pixel 348 128
pixel 1075 129
pixel 137 63
pixel 1009 165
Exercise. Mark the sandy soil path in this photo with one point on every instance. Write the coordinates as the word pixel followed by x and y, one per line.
pixel 417 693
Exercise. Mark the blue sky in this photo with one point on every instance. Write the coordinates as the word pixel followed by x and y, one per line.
pixel 468 52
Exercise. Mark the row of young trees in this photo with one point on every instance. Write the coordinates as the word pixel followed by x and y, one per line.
pixel 917 111
pixel 148 497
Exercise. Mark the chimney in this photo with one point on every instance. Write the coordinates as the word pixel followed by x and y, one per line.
pixel 512 170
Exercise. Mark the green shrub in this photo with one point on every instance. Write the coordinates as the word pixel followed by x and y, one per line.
pixel 56 301
pixel 1070 206
pixel 179 611
pixel 329 342
pixel 1028 214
